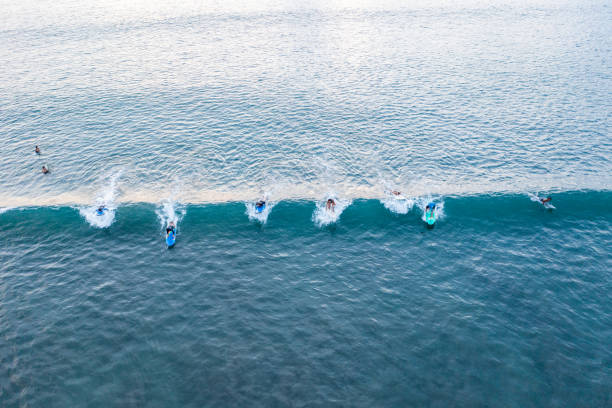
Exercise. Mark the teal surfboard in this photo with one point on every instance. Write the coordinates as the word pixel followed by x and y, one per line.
pixel 430 217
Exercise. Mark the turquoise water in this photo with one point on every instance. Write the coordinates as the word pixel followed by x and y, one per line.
pixel 191 112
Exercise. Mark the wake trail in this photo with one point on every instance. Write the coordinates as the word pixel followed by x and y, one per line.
pixel 105 198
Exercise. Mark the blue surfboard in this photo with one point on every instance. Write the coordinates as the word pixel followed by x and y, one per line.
pixel 171 239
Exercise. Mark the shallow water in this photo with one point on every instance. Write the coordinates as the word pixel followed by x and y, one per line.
pixel 189 112
pixel 440 98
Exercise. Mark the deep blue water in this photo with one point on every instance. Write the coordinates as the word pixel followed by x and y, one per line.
pixel 501 304
pixel 191 111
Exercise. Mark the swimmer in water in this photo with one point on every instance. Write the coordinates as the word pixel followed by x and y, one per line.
pixel 430 206
pixel 37 150
pixel 546 200
pixel 45 170
pixel 170 228
pixel 330 205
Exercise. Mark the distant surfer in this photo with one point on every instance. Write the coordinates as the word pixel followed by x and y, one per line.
pixel 330 205
pixel 170 228
pixel 170 234
pixel 37 150
pixel 546 200
pixel 100 210
pixel 260 205
pixel 430 214
pixel 45 170
pixel 396 193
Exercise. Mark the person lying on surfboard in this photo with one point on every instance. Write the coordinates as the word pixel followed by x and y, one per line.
pixel 546 200
pixel 45 170
pixel 259 205
pixel 395 192
pixel 330 205
pixel 100 210
pixel 170 228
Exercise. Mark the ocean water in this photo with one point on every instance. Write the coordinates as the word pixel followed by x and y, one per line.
pixel 192 111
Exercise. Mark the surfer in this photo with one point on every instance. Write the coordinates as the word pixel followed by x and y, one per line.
pixel 259 206
pixel 330 205
pixel 546 200
pixel 37 150
pixel 396 193
pixel 100 210
pixel 45 170
pixel 430 215
pixel 170 234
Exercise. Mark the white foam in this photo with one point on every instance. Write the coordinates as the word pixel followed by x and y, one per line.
pixel 398 204
pixel 106 198
pixel 170 211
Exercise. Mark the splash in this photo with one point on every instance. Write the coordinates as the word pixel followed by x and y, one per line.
pixel 535 197
pixel 423 201
pixel 170 210
pixel 323 217
pixel 399 204
pixel 261 217
pixel 5 209
pixel 105 198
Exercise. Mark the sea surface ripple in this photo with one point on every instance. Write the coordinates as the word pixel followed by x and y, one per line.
pixel 188 111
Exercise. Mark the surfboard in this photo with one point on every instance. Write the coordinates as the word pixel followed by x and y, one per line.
pixel 548 205
pixel 171 239
pixel 430 214
pixel 430 217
